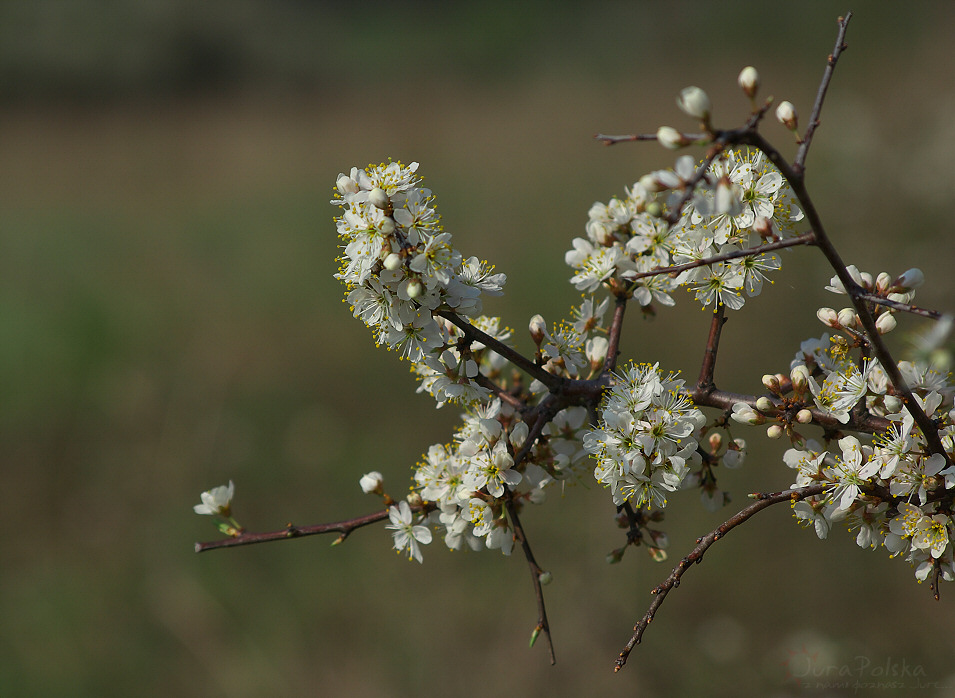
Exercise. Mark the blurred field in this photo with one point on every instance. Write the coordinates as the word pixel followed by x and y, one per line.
pixel 169 320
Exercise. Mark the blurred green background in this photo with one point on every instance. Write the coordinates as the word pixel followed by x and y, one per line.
pixel 169 321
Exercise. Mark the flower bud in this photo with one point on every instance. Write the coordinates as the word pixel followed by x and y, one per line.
pixel 886 323
pixel 545 578
pixel 537 328
pixel 912 278
pixel 728 199
pixel 804 416
pixel 346 185
pixel 744 414
pixel 387 226
pixel 392 261
pixel 883 282
pixel 892 404
pixel 748 81
pixel 715 441
pixel 670 138
pixel 763 227
pixel 378 198
pixel 414 288
pixel 371 483
pixel 764 404
pixel 654 209
pixel 694 102
pixel 786 114
pixel 652 183
pixel 770 382
pixel 774 431
pixel 800 377
pixel 828 317
pixel 848 317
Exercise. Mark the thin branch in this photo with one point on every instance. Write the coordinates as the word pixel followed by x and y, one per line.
pixel 344 528
pixel 902 307
pixel 696 555
pixel 616 327
pixel 705 383
pixel 799 164
pixel 542 625
pixel 472 333
pixel 804 239
pixel 500 392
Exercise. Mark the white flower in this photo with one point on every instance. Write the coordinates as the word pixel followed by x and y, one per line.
pixel 217 501
pixel 407 535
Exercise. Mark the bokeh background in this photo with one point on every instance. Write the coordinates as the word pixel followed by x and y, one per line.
pixel 169 321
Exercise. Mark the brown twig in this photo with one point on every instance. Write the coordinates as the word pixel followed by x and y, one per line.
pixel 705 383
pixel 804 239
pixel 902 307
pixel 542 625
pixel 799 164
pixel 342 527
pixel 696 555
pixel 472 333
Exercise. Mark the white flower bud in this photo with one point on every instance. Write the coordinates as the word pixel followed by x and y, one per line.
pixel 695 102
pixel 886 323
pixel 595 350
pixel 371 482
pixel 728 199
pixel 744 414
pixel 346 185
pixel 848 317
pixel 828 317
pixel 764 404
pixel 912 278
pixel 786 114
pixel 392 261
pixel 670 138
pixel 892 404
pixel 883 282
pixel 387 226
pixel 804 416
pixel 774 431
pixel 545 578
pixel 800 377
pixel 770 382
pixel 518 434
pixel 748 81
pixel 378 198
pixel 652 183
pixel 866 280
pixel 414 288
pixel 537 328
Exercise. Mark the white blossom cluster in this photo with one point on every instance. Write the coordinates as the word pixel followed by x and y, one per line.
pixel 466 480
pixel 399 268
pixel 888 491
pixel 741 201
pixel 645 441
